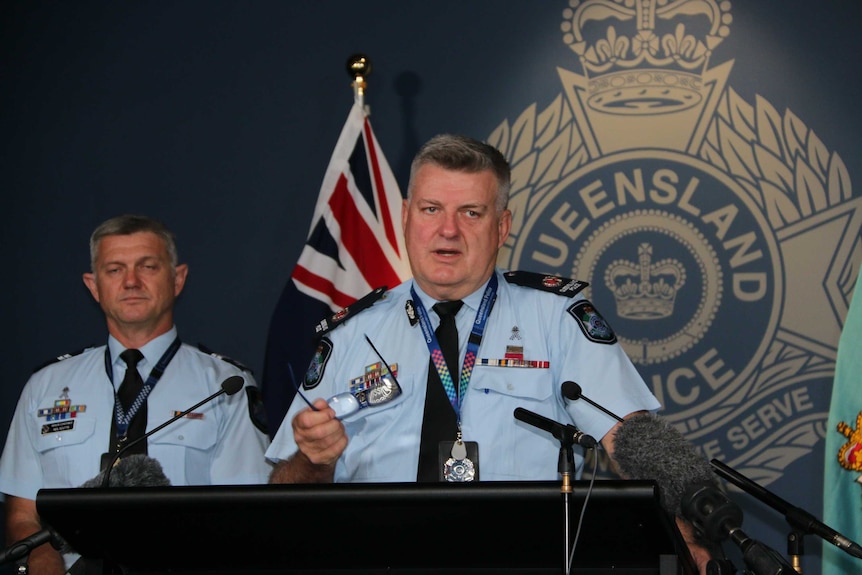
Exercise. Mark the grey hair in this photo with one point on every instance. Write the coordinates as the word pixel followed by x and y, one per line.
pixel 464 154
pixel 131 224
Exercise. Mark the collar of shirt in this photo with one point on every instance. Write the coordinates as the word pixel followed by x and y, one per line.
pixel 466 315
pixel 153 350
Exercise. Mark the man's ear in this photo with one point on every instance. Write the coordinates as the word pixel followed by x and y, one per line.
pixel 90 281
pixel 505 225
pixel 180 278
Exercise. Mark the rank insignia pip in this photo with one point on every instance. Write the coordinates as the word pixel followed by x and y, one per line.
pixel 328 324
pixel 410 310
pixel 231 361
pixel 61 358
pixel 546 282
pixel 594 326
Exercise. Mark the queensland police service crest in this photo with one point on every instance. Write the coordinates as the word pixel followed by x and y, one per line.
pixel 699 220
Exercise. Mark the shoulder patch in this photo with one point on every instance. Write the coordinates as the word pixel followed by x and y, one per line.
pixel 546 282
pixel 231 361
pixel 256 411
pixel 318 364
pixel 59 358
pixel 594 326
pixel 328 324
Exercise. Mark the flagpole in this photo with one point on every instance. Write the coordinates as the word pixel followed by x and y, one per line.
pixel 359 67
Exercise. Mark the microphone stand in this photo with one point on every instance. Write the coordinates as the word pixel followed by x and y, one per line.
pixel 801 522
pixel 229 386
pixel 568 435
pixel 566 467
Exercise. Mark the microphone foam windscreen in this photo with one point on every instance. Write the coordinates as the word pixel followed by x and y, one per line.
pixel 646 447
pixel 136 470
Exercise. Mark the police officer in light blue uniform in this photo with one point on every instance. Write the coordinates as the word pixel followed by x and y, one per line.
pixel 70 419
pixel 384 388
pixel 520 336
pixel 536 336
pixel 62 422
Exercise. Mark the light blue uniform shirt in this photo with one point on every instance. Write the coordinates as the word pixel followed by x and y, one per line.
pixel 384 440
pixel 217 444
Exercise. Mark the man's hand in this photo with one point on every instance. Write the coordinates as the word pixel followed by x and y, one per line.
pixel 699 553
pixel 321 439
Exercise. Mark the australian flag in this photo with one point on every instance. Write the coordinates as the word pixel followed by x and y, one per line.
pixel 354 246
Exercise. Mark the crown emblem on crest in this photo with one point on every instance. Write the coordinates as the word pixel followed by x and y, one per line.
pixel 645 56
pixel 643 289
pixel 850 454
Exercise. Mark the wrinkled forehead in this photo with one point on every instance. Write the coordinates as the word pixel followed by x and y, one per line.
pixel 129 247
pixel 437 183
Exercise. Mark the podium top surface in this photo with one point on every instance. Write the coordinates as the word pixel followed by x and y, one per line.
pixel 387 527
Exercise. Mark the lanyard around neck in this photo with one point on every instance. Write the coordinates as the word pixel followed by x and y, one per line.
pixel 456 395
pixel 125 418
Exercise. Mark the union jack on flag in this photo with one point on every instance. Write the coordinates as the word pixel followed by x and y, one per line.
pixel 354 245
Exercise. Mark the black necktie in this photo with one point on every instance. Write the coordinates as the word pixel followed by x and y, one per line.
pixel 129 390
pixel 439 422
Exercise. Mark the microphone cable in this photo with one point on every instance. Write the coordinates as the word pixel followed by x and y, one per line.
pixel 583 511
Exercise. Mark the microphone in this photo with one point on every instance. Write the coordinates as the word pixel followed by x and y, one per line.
pixel 229 386
pixel 136 470
pixel 797 517
pixel 23 547
pixel 646 447
pixel 717 517
pixel 558 430
pixel 571 390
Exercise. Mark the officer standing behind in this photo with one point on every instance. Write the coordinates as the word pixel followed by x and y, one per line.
pixel 72 415
pixel 519 336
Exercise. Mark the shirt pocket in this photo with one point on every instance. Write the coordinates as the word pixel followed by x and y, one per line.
pixel 64 433
pixel 513 383
pixel 509 450
pixel 199 434
pixel 68 450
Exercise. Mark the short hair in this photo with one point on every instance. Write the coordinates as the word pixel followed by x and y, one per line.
pixel 465 154
pixel 128 224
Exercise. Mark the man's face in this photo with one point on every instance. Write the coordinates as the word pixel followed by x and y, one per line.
pixel 134 283
pixel 452 230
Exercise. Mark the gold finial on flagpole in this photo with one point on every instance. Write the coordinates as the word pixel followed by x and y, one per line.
pixel 359 67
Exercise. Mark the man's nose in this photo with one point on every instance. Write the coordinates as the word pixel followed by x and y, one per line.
pixel 449 226
pixel 131 279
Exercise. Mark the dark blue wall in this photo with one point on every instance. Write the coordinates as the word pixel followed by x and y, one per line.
pixel 219 119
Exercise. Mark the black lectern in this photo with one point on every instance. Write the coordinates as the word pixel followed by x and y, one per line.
pixel 483 527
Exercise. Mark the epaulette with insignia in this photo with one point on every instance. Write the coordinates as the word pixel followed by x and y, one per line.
pixel 328 324
pixel 546 282
pixel 230 360
pixel 61 358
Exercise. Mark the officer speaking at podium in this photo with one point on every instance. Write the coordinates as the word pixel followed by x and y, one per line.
pixel 420 382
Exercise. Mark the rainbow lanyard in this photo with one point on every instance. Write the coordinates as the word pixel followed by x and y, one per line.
pixel 124 419
pixel 456 395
